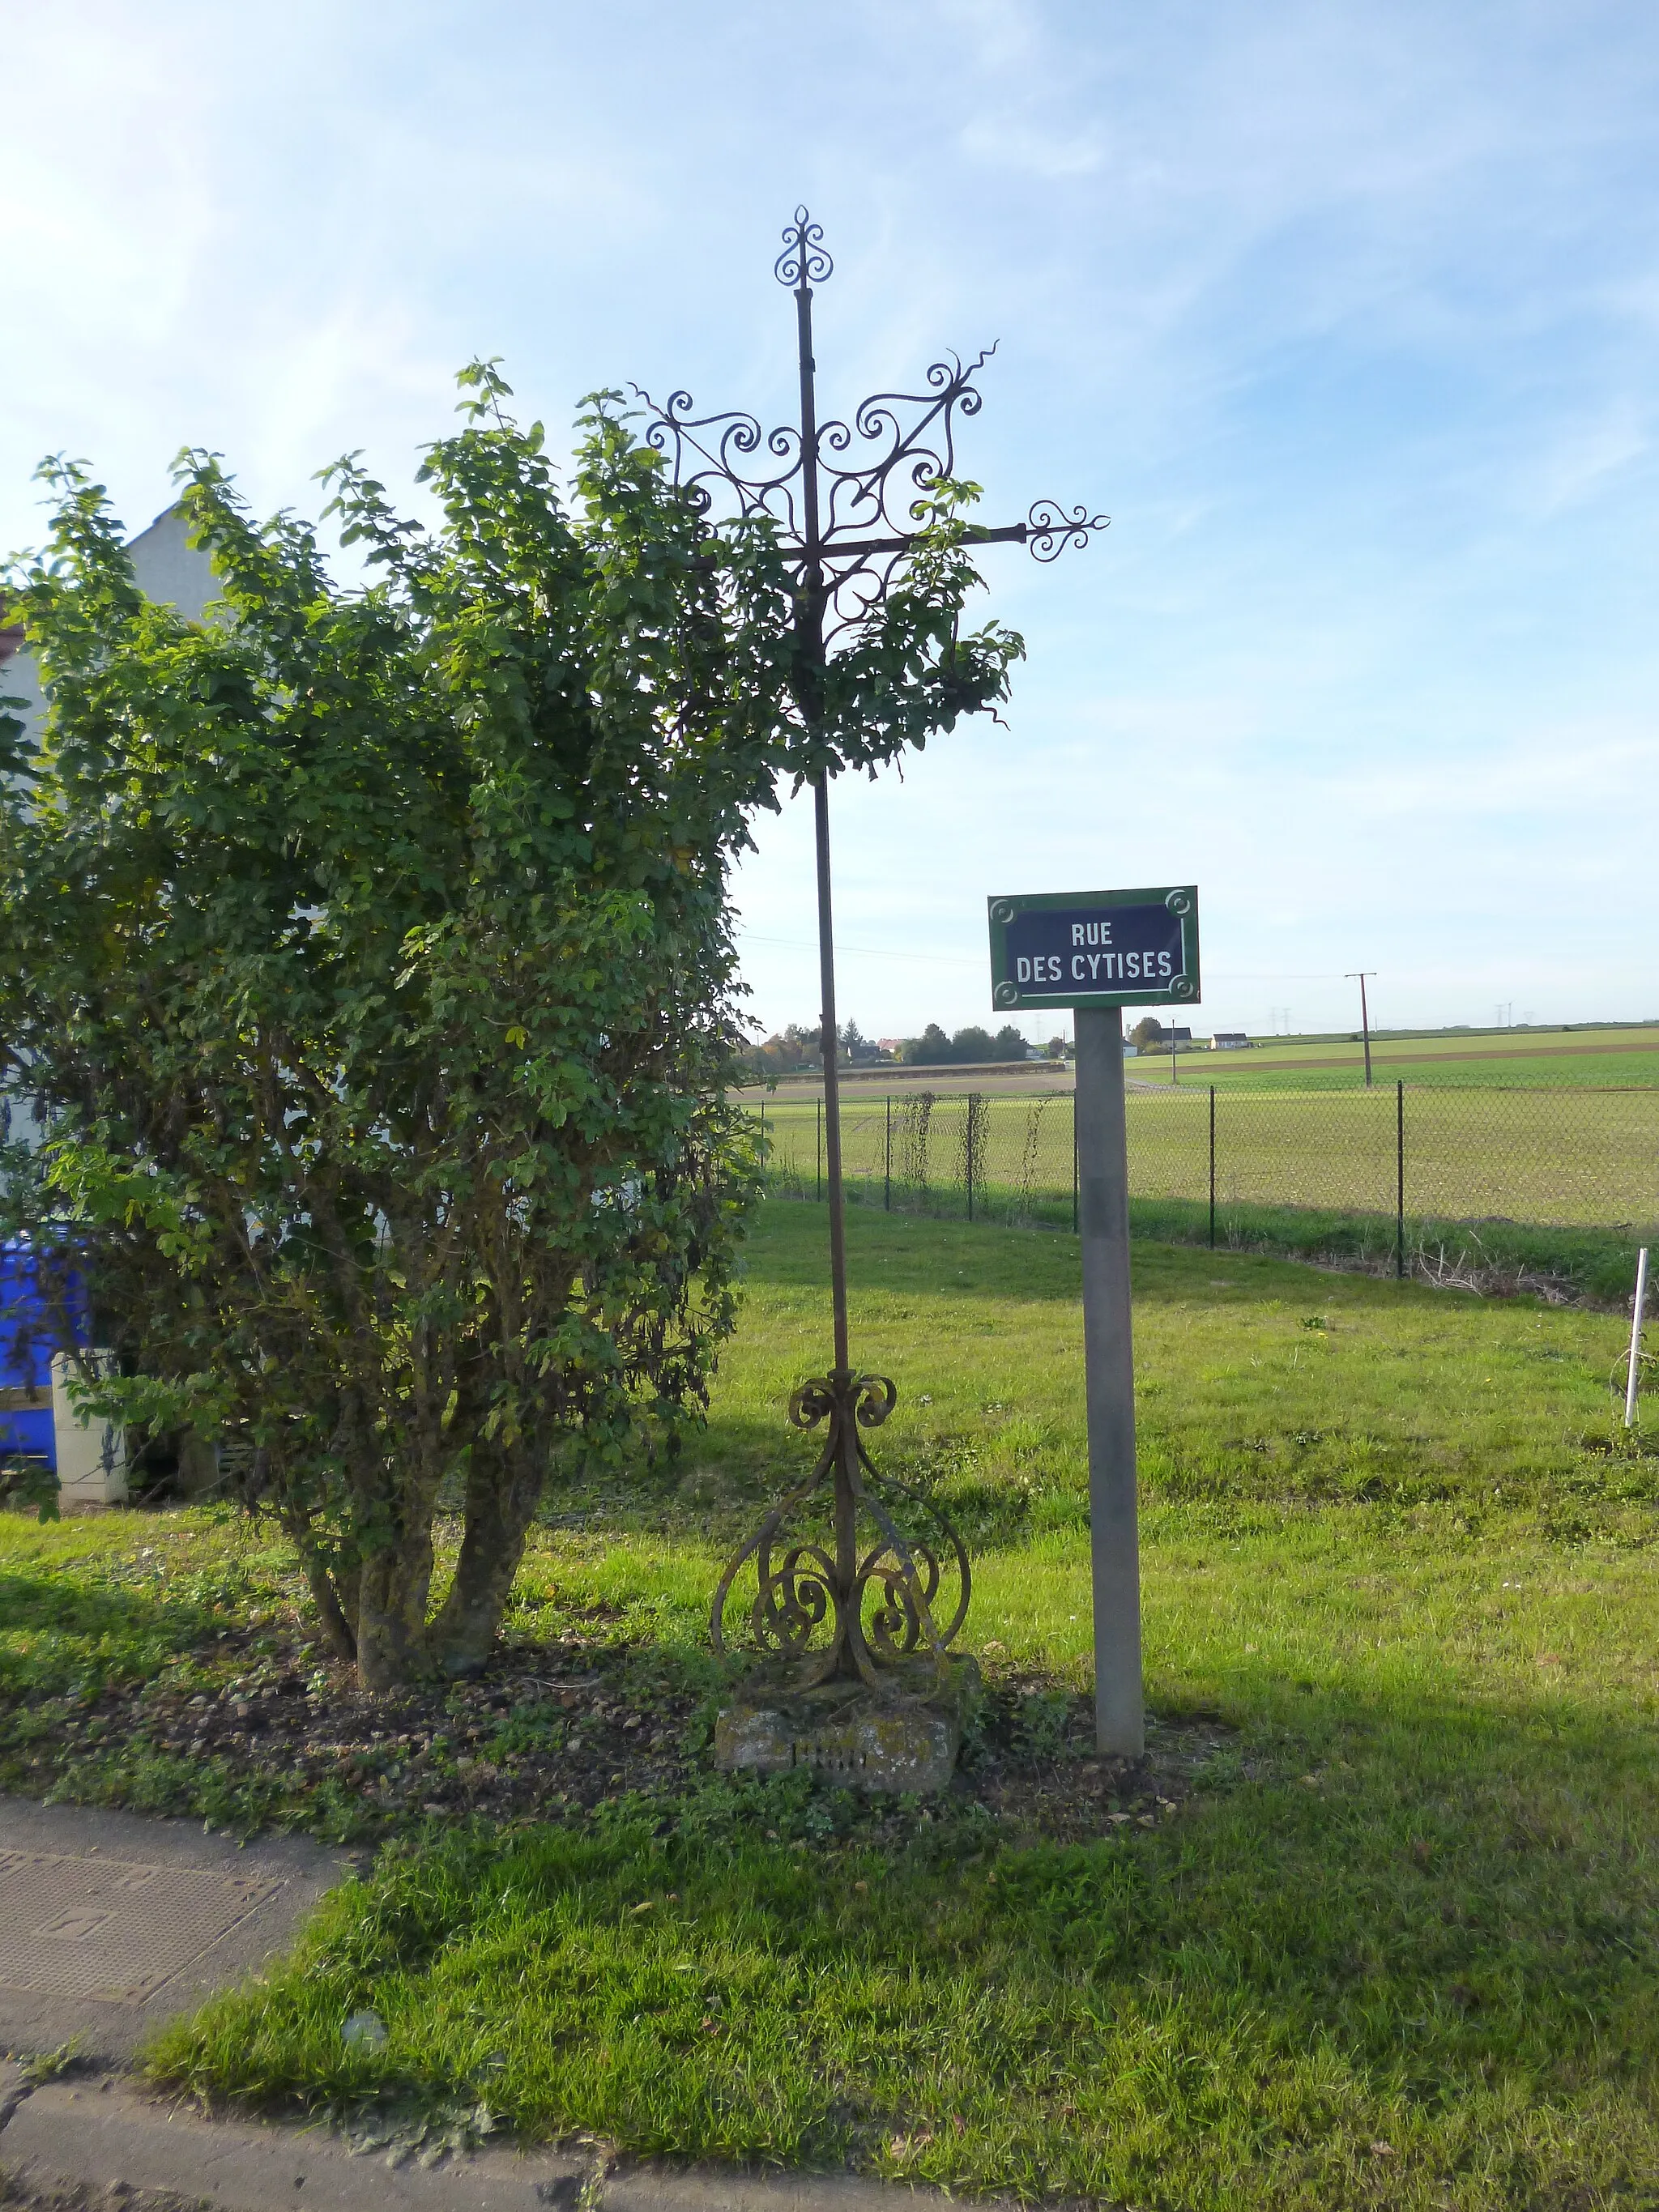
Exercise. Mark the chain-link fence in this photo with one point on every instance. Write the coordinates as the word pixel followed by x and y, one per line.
pixel 1399 1172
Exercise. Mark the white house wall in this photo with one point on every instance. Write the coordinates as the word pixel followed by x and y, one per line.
pixel 167 569
pixel 171 572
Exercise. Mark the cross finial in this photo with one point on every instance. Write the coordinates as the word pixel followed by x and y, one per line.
pixel 803 262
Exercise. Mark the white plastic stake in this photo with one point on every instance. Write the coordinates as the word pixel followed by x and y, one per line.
pixel 1636 1337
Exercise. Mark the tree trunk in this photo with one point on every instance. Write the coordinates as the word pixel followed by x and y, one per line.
pixel 500 1504
pixel 331 1616
pixel 392 1588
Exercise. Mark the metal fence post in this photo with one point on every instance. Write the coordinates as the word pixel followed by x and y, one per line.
pixel 817 1164
pixel 887 1167
pixel 1400 1179
pixel 967 1150
pixel 1212 1167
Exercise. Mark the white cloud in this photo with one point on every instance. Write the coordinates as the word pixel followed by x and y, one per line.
pixel 1345 312
pixel 1585 455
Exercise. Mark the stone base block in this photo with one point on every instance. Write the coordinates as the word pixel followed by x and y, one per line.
pixel 904 1736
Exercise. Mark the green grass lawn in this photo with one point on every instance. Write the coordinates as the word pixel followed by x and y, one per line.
pixel 1394 1944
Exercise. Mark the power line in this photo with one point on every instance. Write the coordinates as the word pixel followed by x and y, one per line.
pixel 957 960
pixel 863 951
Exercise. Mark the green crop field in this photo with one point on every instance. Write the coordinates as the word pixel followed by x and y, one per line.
pixel 1583 1058
pixel 1606 1058
pixel 1383 1942
pixel 1484 1168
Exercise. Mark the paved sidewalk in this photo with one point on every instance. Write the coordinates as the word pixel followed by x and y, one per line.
pixel 110 1923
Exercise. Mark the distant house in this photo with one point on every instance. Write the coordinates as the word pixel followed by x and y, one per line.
pixel 1165 1039
pixel 18 680
pixel 167 569
pixel 88 1455
pixel 1230 1041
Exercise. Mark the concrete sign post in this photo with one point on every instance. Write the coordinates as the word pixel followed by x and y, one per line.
pixel 1109 1370
pixel 1097 952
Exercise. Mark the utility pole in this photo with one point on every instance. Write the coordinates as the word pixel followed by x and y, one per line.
pixel 1358 976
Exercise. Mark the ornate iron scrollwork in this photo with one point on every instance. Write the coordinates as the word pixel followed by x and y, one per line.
pixel 804 260
pixel 874 477
pixel 857 1575
pixel 1050 528
pixel 862 1597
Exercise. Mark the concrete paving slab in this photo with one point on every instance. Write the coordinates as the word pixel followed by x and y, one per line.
pixel 111 1923
pixel 105 2137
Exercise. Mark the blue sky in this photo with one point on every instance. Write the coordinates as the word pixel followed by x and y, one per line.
pixel 1349 315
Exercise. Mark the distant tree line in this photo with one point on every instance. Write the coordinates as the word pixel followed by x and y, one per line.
pixel 797 1049
pixel 787 1052
pixel 968 1048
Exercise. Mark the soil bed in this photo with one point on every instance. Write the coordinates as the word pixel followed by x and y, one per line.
pixel 551 1731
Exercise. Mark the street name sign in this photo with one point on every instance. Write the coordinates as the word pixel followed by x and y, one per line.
pixel 1098 952
pixel 1095 948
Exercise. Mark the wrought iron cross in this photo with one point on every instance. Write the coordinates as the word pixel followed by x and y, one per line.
pixel 849 505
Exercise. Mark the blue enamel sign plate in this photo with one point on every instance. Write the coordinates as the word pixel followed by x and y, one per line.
pixel 1096 948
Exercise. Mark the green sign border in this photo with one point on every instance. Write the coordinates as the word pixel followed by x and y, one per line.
pixel 1181 990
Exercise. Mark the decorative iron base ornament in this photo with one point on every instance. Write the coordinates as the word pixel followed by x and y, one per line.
pixel 863 1595
pixel 861 1600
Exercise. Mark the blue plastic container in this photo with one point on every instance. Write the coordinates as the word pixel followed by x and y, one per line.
pixel 28 1339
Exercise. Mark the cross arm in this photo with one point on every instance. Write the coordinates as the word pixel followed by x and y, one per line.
pixel 977 533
